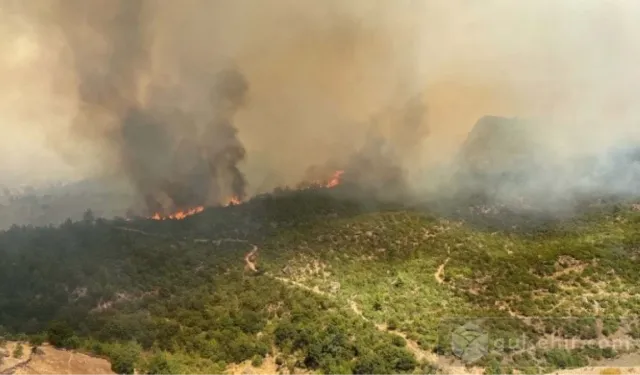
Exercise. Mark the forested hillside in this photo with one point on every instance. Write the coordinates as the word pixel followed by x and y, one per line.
pixel 315 281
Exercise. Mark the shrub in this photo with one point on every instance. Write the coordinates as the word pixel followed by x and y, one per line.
pixel 123 357
pixel 72 343
pixel 493 367
pixel 398 341
pixel 159 364
pixel 257 360
pixel 397 359
pixel 18 351
pixel 37 340
pixel 392 324
pixel 59 334
pixel 371 364
pixel 562 358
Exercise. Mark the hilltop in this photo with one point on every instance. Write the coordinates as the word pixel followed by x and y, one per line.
pixel 317 281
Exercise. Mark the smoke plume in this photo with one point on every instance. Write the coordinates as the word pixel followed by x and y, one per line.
pixel 195 101
pixel 175 157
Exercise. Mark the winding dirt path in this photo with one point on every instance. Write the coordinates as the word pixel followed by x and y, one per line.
pixel 356 309
pixel 439 275
pixel 250 259
pixel 412 345
pixel 315 289
pixel 69 360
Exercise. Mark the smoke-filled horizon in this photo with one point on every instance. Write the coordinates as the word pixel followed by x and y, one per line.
pixel 194 101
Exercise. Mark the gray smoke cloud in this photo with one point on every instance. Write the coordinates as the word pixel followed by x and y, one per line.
pixel 183 99
pixel 506 160
pixel 175 157
pixel 134 82
pixel 166 154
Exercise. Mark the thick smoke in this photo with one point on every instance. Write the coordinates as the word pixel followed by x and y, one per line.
pixel 505 160
pixel 387 91
pixel 381 164
pixel 174 157
pixel 166 154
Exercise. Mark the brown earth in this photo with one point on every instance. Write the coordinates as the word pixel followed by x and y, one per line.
pixel 50 360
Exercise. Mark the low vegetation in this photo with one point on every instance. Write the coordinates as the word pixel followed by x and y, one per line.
pixel 341 287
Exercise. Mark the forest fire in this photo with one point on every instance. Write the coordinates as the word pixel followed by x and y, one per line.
pixel 178 215
pixel 233 201
pixel 331 182
pixel 335 179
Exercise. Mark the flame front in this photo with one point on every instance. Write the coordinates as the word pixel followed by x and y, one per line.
pixel 232 201
pixel 178 215
pixel 335 179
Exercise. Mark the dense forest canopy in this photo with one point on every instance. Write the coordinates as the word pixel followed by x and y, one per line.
pixel 340 285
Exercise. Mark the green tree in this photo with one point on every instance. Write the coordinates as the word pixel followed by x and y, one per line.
pixel 59 334
pixel 398 341
pixel 341 367
pixel 257 360
pixel 36 340
pixel 3 333
pixel 160 364
pixel 124 357
pixel 398 359
pixel 562 358
pixel 493 367
pixel 371 363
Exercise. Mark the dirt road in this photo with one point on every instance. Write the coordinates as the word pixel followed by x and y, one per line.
pixel 250 259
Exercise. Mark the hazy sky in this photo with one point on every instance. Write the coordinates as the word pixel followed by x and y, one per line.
pixel 318 71
pixel 26 106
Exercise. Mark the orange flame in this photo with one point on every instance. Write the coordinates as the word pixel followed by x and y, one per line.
pixel 178 215
pixel 233 201
pixel 335 179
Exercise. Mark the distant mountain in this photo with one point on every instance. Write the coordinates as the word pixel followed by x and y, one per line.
pixel 54 203
pixel 511 159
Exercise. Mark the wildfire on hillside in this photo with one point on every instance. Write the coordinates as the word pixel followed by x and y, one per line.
pixel 335 179
pixel 314 182
pixel 232 201
pixel 178 215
